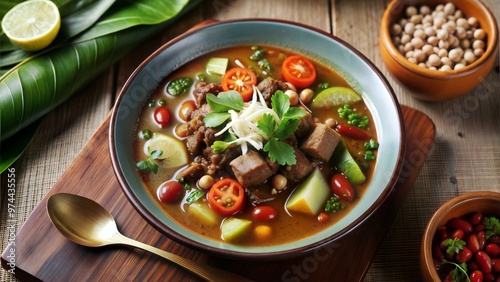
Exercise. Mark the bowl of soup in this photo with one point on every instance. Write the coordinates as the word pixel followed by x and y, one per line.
pixel 256 139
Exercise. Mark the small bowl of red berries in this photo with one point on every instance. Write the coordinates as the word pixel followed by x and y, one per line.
pixel 462 240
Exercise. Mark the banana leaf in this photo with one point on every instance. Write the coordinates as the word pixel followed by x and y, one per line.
pixel 43 81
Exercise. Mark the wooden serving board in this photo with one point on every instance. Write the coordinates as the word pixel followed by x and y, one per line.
pixel 42 253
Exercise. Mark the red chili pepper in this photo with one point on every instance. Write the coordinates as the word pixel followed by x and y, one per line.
pixel 352 132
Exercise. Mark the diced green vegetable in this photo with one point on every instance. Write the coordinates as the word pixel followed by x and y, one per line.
pixel 234 228
pixel 204 213
pixel 217 66
pixel 311 195
pixel 347 165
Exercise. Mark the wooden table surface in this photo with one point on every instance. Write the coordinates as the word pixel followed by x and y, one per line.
pixel 465 155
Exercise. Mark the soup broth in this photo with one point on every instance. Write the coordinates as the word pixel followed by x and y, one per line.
pixel 276 223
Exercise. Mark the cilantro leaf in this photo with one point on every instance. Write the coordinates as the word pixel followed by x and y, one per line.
pixel 453 246
pixel 280 103
pixel 492 226
pixel 225 101
pixel 286 127
pixel 149 164
pixel 280 152
pixel 460 271
pixel 215 119
pixel 295 112
pixel 267 124
pixel 194 195
pixel 219 146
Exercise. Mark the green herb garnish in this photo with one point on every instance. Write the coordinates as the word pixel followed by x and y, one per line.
pixel 333 204
pixel 277 150
pixel 352 117
pixel 257 55
pixel 194 195
pixel 460 271
pixel 491 226
pixel 149 164
pixel 453 246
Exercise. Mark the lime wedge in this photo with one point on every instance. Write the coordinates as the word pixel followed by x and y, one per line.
pixel 335 96
pixel 173 151
pixel 32 25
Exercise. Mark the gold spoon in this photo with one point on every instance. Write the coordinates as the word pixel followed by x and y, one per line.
pixel 87 223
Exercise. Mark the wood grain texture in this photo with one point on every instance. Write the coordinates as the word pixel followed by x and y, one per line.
pixel 52 258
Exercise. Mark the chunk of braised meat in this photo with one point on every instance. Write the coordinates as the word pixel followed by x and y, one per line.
pixel 258 197
pixel 193 171
pixel 218 161
pixel 269 86
pixel 201 112
pixel 321 143
pixel 251 169
pixel 194 142
pixel 300 169
pixel 202 89
pixel 305 126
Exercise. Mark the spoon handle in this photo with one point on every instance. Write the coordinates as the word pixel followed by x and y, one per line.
pixel 204 271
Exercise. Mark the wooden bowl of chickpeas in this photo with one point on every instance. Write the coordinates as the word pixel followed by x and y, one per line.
pixel 439 49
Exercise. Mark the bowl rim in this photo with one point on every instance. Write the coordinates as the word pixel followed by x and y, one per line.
pixel 271 255
pixel 437 216
pixel 491 46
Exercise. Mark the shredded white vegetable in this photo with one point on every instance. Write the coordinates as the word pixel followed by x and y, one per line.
pixel 243 124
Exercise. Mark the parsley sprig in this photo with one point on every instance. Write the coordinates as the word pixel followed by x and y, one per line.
pixel 277 150
pixel 453 246
pixel 150 164
pixel 460 271
pixel 491 226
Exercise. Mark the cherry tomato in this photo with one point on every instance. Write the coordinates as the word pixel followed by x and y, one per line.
pixel 352 132
pixel 473 243
pixel 162 116
pixel 464 255
pixel 459 223
pixel 493 250
pixel 264 213
pixel 226 196
pixel 241 80
pixel 342 187
pixel 299 71
pixel 323 217
pixel 170 191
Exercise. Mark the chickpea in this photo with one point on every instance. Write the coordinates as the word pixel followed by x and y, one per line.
pixel 412 60
pixel 469 57
pixel 455 55
pixel 396 40
pixel 396 29
pixel 460 32
pixel 419 55
pixel 462 23
pixel 409 28
pixel 478 52
pixel 206 182
pixel 415 19
pixel 290 86
pixel 430 31
pixel 434 60
pixel 443 44
pixel 478 44
pixel 442 34
pixel 449 9
pixel 279 181
pixel 445 68
pixel 405 39
pixel 425 10
pixel 465 43
pixel 411 11
pixel 472 21
pixel 459 66
pixel 442 53
pixel 330 122
pixel 479 34
pixel 427 49
pixel 438 22
pixel 417 42
pixel 294 97
pixel 433 40
pixel 419 33
pixel 445 61
pixel 306 95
